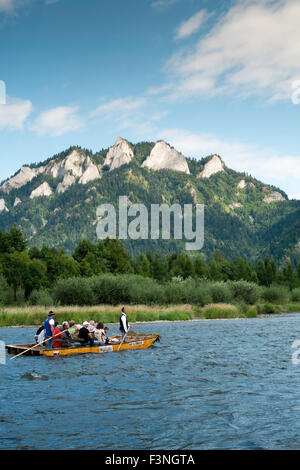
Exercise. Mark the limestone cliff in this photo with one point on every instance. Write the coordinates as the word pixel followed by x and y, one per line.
pixel 120 154
pixel 163 156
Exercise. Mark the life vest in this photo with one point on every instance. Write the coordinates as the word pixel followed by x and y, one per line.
pixel 48 331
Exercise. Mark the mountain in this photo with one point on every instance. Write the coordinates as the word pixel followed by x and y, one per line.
pixel 54 202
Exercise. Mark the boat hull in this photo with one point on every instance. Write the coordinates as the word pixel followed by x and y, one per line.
pixel 138 343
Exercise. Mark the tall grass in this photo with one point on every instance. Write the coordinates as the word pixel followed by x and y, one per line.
pixel 215 311
pixel 34 315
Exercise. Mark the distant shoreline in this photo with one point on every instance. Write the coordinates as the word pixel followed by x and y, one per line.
pixel 107 321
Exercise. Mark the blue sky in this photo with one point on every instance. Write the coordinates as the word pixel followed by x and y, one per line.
pixel 205 77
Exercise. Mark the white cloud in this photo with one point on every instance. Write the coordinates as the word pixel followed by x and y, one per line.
pixel 14 114
pixel 253 49
pixel 7 5
pixel 136 114
pixel 191 26
pixel 280 170
pixel 58 121
pixel 119 107
pixel 162 4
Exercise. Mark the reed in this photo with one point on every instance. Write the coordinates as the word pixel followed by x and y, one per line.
pixel 214 311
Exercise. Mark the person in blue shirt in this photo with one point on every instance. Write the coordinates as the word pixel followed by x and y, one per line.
pixel 49 329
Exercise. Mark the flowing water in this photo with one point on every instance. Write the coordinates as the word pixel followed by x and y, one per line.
pixel 225 384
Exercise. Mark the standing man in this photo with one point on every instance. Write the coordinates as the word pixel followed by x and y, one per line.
pixel 124 327
pixel 50 329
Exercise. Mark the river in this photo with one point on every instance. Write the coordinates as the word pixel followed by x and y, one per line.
pixel 210 384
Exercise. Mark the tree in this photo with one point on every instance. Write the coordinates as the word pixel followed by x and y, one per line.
pixel 290 276
pixel 118 260
pixel 182 265
pixel 200 265
pixel 33 276
pixel 142 266
pixel 159 268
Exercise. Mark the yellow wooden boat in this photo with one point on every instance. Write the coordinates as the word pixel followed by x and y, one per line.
pixel 132 342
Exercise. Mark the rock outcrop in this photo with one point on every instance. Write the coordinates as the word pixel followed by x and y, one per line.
pixel 235 205
pixel 274 196
pixel 213 166
pixel 163 157
pixel 24 176
pixel 17 201
pixel 91 172
pixel 243 184
pixel 42 190
pixel 75 165
pixel 3 206
pixel 120 154
pixel 65 184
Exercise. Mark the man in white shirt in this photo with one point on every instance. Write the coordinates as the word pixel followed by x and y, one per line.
pixel 124 326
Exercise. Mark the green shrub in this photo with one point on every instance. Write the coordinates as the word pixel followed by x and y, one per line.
pixel 147 291
pixel 3 290
pixel 251 312
pixel 41 297
pixel 295 295
pixel 74 291
pixel 219 292
pixel 276 294
pixel 244 291
pixel 267 308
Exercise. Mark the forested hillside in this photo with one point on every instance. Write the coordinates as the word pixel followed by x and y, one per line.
pixel 54 202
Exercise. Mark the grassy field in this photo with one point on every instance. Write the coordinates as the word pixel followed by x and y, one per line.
pixel 35 315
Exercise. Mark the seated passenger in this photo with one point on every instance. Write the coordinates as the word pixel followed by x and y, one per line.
pixel 38 332
pixel 66 338
pixel 106 333
pixel 91 326
pixel 99 334
pixel 57 333
pixel 76 334
pixel 85 335
pixel 72 327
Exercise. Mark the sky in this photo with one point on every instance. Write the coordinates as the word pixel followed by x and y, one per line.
pixel 207 76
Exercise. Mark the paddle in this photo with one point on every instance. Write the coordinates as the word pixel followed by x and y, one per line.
pixel 36 345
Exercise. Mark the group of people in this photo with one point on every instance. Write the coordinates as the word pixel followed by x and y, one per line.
pixel 52 335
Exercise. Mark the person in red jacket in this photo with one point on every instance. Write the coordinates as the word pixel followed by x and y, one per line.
pixel 57 339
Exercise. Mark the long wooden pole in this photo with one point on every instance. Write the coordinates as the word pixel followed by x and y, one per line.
pixel 123 340
pixel 36 345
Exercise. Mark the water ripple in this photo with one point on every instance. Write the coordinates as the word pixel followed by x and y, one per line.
pixel 207 385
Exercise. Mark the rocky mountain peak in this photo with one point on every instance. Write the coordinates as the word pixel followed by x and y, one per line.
pixel 24 176
pixel 163 156
pixel 274 196
pixel 42 190
pixel 214 165
pixel 119 154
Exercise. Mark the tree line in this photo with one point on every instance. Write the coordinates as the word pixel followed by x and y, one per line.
pixel 36 268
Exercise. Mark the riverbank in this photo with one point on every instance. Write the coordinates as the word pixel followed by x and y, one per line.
pixel 34 316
